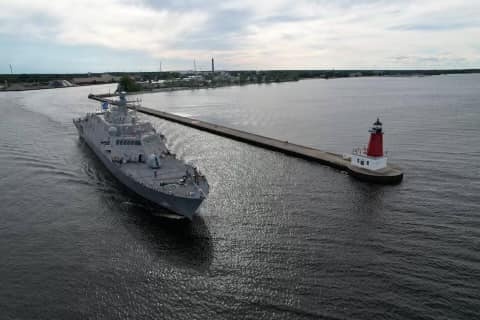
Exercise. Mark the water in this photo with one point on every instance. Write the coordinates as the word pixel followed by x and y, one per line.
pixel 278 237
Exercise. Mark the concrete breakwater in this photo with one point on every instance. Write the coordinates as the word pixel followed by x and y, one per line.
pixel 388 175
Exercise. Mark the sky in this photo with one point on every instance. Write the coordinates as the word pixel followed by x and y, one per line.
pixel 59 36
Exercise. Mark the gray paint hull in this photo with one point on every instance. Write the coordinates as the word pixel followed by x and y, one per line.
pixel 186 207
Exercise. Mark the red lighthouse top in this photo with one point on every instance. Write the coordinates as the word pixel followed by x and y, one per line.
pixel 375 144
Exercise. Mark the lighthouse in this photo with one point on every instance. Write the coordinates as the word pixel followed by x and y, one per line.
pixel 371 158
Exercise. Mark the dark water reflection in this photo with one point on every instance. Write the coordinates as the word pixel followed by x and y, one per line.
pixel 278 237
pixel 183 243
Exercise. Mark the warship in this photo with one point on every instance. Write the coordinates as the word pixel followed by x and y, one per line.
pixel 137 155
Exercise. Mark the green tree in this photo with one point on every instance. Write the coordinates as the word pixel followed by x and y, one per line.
pixel 127 84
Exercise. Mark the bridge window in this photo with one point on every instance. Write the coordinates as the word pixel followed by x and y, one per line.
pixel 128 142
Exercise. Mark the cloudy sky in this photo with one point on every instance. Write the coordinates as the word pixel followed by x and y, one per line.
pixel 135 35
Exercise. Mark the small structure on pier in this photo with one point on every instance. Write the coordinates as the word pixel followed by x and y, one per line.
pixel 370 164
pixel 371 158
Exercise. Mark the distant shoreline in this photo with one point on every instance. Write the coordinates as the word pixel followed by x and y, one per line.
pixel 18 88
pixel 178 80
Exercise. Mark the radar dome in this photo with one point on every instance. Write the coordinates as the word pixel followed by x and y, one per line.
pixel 112 131
pixel 153 161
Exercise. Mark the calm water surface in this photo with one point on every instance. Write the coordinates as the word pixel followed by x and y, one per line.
pixel 278 237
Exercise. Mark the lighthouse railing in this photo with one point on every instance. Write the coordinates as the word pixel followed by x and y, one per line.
pixel 360 151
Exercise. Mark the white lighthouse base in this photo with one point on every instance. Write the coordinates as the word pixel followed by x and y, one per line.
pixel 369 163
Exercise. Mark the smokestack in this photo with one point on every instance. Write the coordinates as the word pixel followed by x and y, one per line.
pixel 213 65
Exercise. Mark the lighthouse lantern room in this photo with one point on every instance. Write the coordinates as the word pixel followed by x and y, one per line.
pixel 371 158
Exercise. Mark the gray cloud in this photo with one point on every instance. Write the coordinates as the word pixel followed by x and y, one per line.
pixel 433 27
pixel 256 34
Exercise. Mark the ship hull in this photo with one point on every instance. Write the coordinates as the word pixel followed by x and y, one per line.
pixel 185 207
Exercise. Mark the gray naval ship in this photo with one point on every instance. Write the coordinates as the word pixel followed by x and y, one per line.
pixel 137 156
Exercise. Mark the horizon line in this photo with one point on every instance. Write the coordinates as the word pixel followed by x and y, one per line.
pixel 248 70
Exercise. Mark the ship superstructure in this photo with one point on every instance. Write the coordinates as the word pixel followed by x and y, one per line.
pixel 138 157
